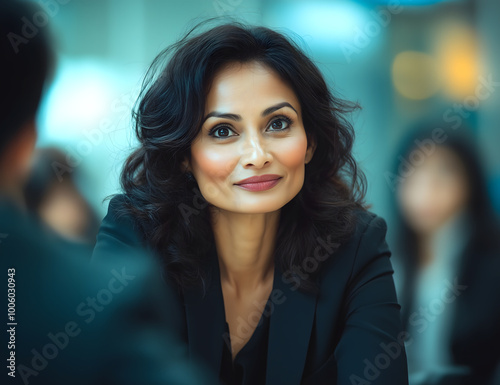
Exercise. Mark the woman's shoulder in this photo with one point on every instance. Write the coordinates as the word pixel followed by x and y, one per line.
pixel 117 205
pixel 367 225
pixel 366 244
pixel 366 219
pixel 119 230
pixel 119 212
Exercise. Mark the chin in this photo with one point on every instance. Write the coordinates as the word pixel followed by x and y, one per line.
pixel 259 209
pixel 256 206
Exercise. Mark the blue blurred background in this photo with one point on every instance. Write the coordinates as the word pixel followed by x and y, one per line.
pixel 401 60
pixel 406 62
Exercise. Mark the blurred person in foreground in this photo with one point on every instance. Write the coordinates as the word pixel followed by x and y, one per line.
pixel 67 322
pixel 449 259
pixel 52 196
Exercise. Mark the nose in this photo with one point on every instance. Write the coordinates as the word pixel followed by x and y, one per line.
pixel 255 152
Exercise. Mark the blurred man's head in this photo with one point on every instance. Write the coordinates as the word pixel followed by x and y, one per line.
pixel 26 63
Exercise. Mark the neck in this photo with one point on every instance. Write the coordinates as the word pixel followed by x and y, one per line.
pixel 245 246
pixel 425 250
pixel 437 240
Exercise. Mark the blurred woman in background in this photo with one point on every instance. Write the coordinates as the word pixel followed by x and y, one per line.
pixel 448 251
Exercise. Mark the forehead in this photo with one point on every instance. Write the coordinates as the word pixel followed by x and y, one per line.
pixel 244 86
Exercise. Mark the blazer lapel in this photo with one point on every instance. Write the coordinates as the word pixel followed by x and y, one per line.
pixel 289 332
pixel 289 329
pixel 205 318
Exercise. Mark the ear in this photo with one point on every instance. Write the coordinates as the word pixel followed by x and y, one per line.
pixel 310 150
pixel 15 162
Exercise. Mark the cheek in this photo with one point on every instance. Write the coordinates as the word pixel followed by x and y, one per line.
pixel 454 195
pixel 211 163
pixel 292 153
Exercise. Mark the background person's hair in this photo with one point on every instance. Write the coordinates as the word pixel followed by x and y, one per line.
pixel 485 228
pixel 168 116
pixel 26 64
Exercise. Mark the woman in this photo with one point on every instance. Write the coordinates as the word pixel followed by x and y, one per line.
pixel 245 186
pixel 449 253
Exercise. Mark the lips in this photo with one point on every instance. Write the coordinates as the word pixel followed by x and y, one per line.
pixel 258 179
pixel 259 183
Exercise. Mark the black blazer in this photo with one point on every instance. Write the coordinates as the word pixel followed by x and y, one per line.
pixel 349 333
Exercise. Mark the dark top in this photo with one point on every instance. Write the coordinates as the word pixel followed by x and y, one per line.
pixel 249 365
pixel 349 332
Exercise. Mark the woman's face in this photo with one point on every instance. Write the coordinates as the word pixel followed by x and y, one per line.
pixel 434 191
pixel 253 127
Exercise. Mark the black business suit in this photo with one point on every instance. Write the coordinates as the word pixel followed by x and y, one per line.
pixel 60 338
pixel 329 338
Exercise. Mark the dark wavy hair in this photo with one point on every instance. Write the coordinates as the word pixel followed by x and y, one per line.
pixel 168 116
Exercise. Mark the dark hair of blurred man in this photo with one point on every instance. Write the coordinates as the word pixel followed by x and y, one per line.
pixel 27 62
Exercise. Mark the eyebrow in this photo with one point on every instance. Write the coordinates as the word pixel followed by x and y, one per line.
pixel 237 118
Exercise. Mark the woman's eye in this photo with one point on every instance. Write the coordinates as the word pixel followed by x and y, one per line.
pixel 221 132
pixel 279 124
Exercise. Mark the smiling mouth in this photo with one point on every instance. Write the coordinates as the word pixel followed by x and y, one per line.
pixel 259 186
